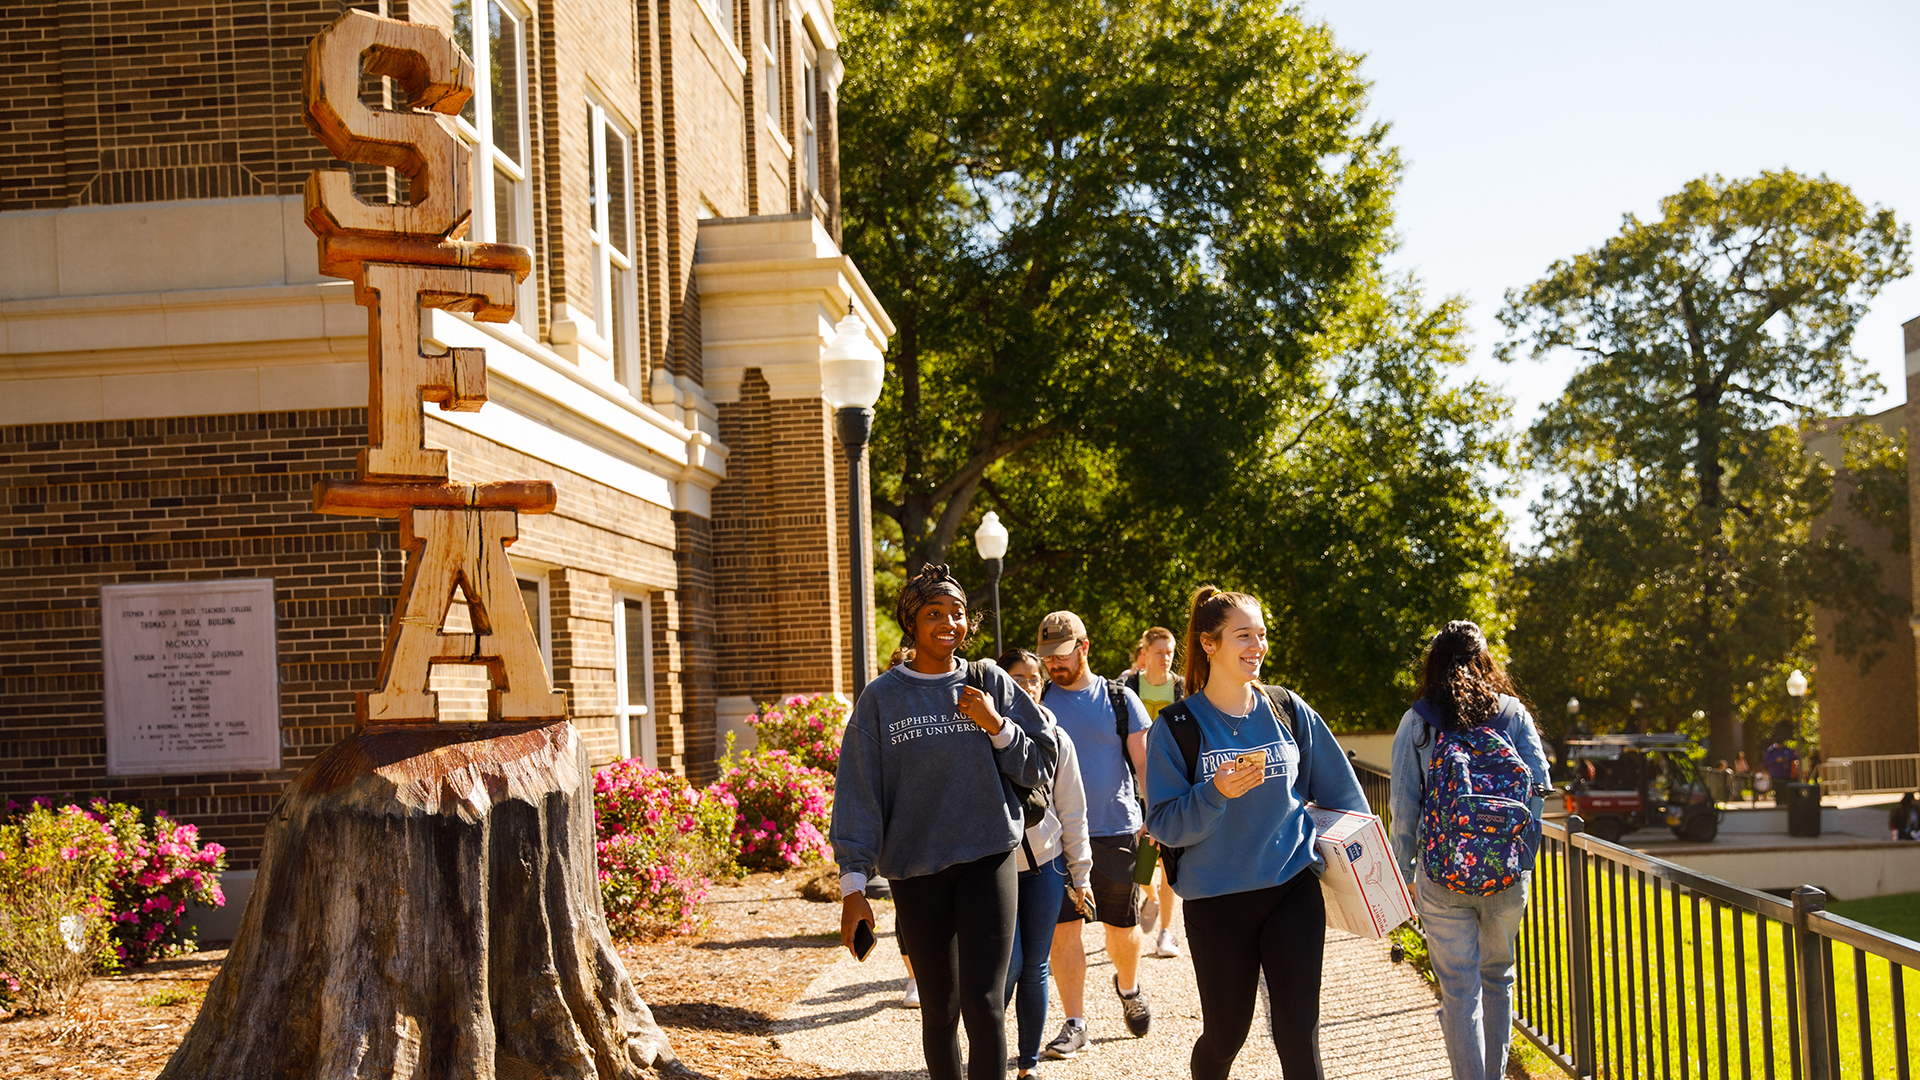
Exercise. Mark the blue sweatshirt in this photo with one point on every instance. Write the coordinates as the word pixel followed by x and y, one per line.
pixel 1264 837
pixel 920 787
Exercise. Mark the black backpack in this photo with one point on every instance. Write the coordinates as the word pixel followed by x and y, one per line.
pixel 1034 801
pixel 1186 735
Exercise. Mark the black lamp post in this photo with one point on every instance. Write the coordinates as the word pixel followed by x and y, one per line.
pixel 851 373
pixel 990 540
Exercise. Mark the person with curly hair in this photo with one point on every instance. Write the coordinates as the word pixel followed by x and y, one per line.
pixel 929 793
pixel 1469 936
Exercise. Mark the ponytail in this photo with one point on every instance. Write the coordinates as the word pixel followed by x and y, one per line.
pixel 1461 679
pixel 1207 615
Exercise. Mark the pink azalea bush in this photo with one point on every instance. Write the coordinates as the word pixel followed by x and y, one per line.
pixel 809 728
pixel 54 926
pixel 783 808
pixel 659 844
pixel 159 867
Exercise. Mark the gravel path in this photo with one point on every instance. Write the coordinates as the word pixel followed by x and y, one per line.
pixel 1376 1020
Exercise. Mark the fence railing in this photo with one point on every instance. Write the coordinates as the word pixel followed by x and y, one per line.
pixel 1871 775
pixel 1632 966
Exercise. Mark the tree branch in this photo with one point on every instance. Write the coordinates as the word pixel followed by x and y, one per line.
pixel 977 464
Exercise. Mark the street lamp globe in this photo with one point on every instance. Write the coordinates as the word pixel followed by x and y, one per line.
pixel 990 539
pixel 1573 706
pixel 1797 684
pixel 852 370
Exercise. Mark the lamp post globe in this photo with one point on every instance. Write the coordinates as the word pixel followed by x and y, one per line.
pixel 990 540
pixel 852 373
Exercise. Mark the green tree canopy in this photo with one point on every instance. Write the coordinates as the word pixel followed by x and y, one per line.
pixel 1133 251
pixel 1676 562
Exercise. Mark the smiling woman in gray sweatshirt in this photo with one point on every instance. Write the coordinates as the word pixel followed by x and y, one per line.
pixel 926 796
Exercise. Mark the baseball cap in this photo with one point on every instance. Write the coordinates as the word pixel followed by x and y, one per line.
pixel 1060 631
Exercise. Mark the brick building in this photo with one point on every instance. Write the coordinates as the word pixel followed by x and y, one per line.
pixel 175 374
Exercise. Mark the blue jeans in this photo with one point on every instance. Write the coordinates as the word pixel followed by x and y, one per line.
pixel 1041 890
pixel 1470 941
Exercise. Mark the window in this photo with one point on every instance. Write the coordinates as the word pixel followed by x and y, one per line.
pixel 494 124
pixel 610 232
pixel 633 678
pixel 770 56
pixel 809 118
pixel 463 687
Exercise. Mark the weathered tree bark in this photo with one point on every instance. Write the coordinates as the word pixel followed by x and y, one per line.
pixel 428 907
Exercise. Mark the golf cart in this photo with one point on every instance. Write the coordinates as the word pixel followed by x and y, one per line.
pixel 1627 782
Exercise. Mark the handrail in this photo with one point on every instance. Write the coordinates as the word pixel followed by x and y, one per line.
pixel 1630 965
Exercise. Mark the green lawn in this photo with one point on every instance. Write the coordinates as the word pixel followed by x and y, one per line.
pixel 1646 966
pixel 1896 914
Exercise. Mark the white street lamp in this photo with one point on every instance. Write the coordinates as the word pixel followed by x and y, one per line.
pixel 990 540
pixel 1797 684
pixel 852 372
pixel 1573 706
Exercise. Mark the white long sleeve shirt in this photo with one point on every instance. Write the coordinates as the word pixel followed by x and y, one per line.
pixel 1065 826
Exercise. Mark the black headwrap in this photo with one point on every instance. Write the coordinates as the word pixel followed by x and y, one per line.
pixel 934 579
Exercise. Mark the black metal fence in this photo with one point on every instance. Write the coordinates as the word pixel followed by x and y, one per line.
pixel 1632 966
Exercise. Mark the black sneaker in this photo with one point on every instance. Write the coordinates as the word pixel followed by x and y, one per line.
pixel 1139 1015
pixel 1068 1044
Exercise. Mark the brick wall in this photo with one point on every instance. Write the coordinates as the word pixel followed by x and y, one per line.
pixel 86 505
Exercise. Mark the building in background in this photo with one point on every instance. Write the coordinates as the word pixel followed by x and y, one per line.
pixel 1869 704
pixel 175 374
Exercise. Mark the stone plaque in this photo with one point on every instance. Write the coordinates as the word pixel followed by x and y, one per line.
pixel 191 681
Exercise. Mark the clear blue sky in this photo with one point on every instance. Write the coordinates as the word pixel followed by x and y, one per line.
pixel 1528 129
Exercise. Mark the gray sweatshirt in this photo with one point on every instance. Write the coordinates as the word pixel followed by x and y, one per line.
pixel 1065 826
pixel 920 788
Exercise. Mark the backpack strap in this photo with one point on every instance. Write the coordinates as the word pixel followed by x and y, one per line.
pixel 1117 700
pixel 1186 735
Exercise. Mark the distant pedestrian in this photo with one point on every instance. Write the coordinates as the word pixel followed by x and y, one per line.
pixel 1108 727
pixel 1246 864
pixel 1781 761
pixel 1157 686
pixel 1469 713
pixel 926 795
pixel 1054 858
pixel 1904 822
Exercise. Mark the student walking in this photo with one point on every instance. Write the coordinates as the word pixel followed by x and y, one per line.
pixel 1054 853
pixel 1230 769
pixel 1153 681
pixel 926 795
pixel 1107 724
pixel 1469 736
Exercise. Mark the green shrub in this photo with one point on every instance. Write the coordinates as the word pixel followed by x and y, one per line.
pixel 809 728
pixel 659 843
pixel 54 925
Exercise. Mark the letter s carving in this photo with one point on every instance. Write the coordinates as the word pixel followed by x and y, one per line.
pixel 434 75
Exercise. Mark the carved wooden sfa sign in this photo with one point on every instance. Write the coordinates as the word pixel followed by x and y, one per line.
pixel 404 259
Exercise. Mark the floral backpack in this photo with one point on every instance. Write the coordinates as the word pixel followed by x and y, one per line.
pixel 1476 825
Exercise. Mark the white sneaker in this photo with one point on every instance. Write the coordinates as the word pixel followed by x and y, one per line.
pixel 1165 945
pixel 911 999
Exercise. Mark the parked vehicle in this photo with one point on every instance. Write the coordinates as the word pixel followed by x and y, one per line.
pixel 1627 782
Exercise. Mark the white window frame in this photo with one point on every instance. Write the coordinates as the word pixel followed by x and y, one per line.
pixel 634 719
pixel 611 269
pixel 488 159
pixel 775 86
pixel 808 116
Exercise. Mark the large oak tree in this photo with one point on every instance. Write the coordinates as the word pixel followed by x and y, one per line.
pixel 1676 560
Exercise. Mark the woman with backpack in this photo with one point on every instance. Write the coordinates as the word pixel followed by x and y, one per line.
pixel 1469 741
pixel 934 768
pixel 1230 771
pixel 1055 851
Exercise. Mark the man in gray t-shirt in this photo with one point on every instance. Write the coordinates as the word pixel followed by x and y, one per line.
pixel 1091 711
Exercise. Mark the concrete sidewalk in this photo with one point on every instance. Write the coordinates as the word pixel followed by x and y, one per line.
pixel 1376 1020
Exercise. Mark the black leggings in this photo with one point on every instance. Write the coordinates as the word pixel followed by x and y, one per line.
pixel 1231 938
pixel 957 925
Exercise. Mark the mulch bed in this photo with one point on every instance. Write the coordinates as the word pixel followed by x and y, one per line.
pixel 716 995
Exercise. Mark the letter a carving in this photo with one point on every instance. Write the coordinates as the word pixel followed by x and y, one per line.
pixel 467 549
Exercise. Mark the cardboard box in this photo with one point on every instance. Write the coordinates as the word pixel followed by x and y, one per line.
pixel 1365 893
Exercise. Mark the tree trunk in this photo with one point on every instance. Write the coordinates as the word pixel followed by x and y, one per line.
pixel 428 906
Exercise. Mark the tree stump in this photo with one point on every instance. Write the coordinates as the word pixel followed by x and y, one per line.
pixel 428 906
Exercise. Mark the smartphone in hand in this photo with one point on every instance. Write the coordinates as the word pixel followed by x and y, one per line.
pixel 863 939
pixel 1252 759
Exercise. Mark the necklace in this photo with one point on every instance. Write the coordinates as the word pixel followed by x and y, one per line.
pixel 1234 722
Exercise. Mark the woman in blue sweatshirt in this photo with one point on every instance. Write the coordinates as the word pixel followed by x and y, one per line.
pixel 1248 871
pixel 925 796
